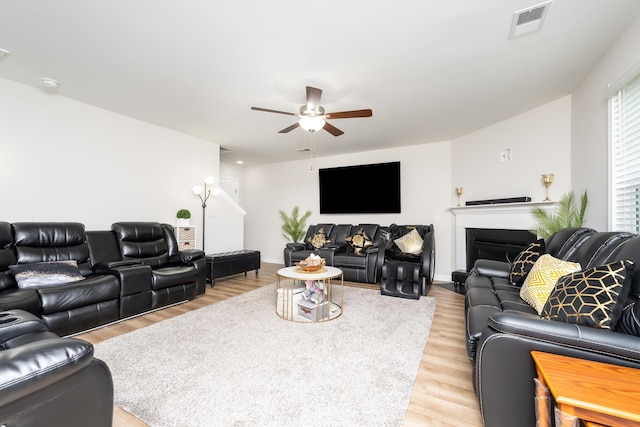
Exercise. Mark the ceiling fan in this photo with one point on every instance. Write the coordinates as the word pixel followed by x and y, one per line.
pixel 312 116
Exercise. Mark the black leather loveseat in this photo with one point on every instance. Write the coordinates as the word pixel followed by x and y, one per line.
pixel 502 329
pixel 99 277
pixel 361 250
pixel 46 380
pixel 358 250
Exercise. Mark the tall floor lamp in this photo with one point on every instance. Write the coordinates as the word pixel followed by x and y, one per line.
pixel 204 196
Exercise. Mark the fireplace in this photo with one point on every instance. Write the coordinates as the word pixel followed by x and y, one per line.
pixel 495 244
pixel 510 216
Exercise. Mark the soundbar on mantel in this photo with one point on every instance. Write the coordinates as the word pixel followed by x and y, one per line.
pixel 498 201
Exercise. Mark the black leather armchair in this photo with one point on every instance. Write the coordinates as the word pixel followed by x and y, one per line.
pixel 46 380
pixel 175 275
pixel 404 274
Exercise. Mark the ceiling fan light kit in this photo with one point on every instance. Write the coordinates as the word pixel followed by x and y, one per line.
pixel 312 115
pixel 311 123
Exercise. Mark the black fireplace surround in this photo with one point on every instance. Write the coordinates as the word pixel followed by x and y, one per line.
pixel 491 243
pixel 496 244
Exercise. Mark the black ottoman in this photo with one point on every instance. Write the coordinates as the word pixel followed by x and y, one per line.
pixel 401 279
pixel 458 278
pixel 228 263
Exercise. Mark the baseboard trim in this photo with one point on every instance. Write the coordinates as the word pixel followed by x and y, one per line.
pixel 115 322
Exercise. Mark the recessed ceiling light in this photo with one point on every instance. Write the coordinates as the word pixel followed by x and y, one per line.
pixel 3 53
pixel 240 162
pixel 50 83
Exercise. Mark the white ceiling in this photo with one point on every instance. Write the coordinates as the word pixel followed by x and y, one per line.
pixel 429 70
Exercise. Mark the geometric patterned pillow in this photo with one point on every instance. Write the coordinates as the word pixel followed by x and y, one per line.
pixel 542 279
pixel 410 243
pixel 359 242
pixel 525 261
pixel 319 239
pixel 594 297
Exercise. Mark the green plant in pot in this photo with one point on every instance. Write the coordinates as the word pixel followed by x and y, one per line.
pixel 294 227
pixel 183 216
pixel 567 215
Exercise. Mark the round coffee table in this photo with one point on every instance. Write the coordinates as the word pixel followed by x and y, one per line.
pixel 291 282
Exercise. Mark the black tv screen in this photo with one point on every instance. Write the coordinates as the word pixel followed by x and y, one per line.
pixel 360 189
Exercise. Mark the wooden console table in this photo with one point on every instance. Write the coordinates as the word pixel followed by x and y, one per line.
pixel 597 393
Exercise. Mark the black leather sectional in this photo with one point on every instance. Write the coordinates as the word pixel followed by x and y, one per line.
pixel 132 268
pixel 502 329
pixel 361 250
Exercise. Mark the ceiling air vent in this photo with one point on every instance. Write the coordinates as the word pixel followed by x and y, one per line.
pixel 529 20
pixel 303 150
pixel 3 53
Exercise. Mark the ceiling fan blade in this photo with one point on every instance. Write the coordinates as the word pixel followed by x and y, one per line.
pixel 290 128
pixel 268 110
pixel 332 129
pixel 350 114
pixel 313 98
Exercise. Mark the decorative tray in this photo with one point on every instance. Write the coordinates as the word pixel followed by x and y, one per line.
pixel 301 270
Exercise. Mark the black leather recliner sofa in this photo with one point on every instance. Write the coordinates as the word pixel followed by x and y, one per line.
pixel 120 276
pixel 502 329
pixel 358 250
pixel 46 380
pixel 337 252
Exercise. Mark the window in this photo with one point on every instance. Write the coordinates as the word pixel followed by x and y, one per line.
pixel 625 157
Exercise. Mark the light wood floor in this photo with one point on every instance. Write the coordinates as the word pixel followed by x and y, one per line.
pixel 442 394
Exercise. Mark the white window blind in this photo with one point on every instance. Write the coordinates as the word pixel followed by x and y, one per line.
pixel 625 158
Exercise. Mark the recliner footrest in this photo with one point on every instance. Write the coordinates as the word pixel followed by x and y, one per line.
pixel 228 263
pixel 401 279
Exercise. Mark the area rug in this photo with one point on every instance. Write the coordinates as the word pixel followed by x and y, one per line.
pixel 235 363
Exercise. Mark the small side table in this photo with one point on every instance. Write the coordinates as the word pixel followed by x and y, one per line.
pixel 597 393
pixel 288 277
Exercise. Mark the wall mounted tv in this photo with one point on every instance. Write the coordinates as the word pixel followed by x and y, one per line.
pixel 373 188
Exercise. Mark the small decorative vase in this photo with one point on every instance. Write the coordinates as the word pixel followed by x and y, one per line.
pixel 182 222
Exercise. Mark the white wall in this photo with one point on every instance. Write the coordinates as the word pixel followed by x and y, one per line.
pixel 590 141
pixel 63 160
pixel 425 177
pixel 540 143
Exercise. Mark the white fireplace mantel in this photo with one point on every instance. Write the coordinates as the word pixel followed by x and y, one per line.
pixel 510 216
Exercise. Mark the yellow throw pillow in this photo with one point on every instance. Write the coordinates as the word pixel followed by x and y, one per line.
pixel 542 279
pixel 410 243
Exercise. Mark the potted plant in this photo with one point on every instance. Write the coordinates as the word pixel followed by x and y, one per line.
pixel 565 216
pixel 294 228
pixel 183 216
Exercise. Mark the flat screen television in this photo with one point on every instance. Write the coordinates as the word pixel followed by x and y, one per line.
pixel 373 188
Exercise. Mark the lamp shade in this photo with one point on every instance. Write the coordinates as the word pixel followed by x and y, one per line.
pixel 311 123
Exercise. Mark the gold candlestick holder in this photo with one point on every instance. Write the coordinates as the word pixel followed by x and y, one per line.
pixel 547 179
pixel 459 193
